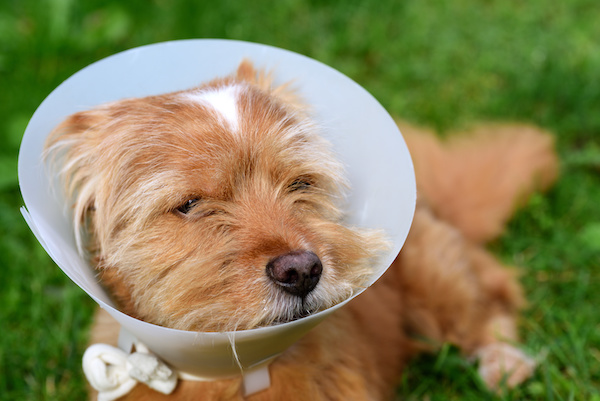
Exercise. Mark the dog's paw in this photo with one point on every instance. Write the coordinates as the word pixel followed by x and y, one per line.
pixel 501 364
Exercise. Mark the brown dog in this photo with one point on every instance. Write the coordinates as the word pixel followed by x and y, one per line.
pixel 216 209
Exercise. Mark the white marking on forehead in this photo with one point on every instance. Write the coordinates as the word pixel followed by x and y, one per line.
pixel 223 100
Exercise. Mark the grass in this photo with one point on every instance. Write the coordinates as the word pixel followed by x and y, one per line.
pixel 445 64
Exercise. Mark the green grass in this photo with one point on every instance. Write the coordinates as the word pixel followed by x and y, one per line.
pixel 444 64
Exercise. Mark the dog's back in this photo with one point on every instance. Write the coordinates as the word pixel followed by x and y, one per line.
pixel 476 180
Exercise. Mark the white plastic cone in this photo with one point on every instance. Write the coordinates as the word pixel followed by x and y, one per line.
pixel 363 135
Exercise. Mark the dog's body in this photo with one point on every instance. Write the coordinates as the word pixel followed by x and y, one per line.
pixel 263 208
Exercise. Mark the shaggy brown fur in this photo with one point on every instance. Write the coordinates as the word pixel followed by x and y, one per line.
pixel 131 165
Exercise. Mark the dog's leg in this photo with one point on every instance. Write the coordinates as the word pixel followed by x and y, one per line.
pixel 457 292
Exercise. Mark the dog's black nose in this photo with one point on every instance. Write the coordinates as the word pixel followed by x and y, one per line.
pixel 297 272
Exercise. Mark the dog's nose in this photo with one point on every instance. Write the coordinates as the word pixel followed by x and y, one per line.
pixel 297 272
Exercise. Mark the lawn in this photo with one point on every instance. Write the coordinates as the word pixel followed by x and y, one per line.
pixel 444 65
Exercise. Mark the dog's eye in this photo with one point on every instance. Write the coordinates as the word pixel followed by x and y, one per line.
pixel 188 205
pixel 300 184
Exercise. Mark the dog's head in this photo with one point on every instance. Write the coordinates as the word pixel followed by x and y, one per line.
pixel 212 209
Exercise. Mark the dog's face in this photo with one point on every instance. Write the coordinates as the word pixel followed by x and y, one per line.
pixel 212 209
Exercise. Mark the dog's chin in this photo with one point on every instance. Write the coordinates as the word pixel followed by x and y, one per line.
pixel 284 309
pixel 296 315
pixel 286 318
pixel 289 309
pixel 290 319
pixel 242 325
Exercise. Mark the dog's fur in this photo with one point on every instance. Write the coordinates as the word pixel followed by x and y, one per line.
pixel 186 197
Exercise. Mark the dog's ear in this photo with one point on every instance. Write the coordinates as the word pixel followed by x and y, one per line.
pixel 262 79
pixel 71 153
pixel 247 72
pixel 259 78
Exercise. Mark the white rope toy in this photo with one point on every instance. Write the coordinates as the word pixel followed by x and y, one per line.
pixel 114 373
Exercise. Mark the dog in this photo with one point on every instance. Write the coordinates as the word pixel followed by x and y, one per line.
pixel 219 208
